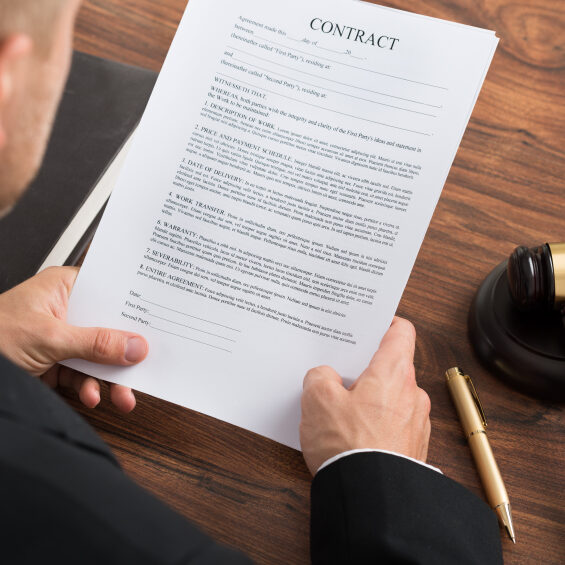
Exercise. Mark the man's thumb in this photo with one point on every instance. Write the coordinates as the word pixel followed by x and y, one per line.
pixel 102 345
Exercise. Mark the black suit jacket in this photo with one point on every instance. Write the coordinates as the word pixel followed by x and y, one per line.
pixel 65 499
pixel 380 508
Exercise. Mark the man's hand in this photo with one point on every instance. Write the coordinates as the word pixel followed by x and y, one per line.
pixel 383 409
pixel 35 336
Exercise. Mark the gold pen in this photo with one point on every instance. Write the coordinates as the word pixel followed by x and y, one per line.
pixel 473 421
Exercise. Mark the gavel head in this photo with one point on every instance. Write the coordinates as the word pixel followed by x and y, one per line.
pixel 536 276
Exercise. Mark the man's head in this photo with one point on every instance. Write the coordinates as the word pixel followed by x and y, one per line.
pixel 35 51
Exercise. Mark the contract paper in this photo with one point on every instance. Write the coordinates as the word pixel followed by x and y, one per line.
pixel 275 197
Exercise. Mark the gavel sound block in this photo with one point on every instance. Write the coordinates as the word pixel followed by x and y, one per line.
pixel 516 321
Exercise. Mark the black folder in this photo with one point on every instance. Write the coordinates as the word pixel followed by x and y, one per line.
pixel 102 103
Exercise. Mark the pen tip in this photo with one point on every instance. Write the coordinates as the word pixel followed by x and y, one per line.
pixel 505 516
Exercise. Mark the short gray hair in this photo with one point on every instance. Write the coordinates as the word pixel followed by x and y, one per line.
pixel 33 17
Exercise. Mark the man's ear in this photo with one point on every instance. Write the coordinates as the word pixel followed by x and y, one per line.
pixel 15 50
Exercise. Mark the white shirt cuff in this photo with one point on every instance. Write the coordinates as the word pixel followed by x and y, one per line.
pixel 352 451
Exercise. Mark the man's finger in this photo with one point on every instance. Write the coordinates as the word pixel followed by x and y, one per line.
pixel 100 345
pixel 87 388
pixel 323 373
pixel 122 398
pixel 399 340
pixel 89 392
pixel 397 347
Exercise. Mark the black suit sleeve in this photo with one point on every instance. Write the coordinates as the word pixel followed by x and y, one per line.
pixel 380 508
pixel 66 500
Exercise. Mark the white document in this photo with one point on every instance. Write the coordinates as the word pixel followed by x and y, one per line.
pixel 275 198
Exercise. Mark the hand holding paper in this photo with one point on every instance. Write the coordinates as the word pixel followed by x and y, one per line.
pixel 384 409
pixel 35 336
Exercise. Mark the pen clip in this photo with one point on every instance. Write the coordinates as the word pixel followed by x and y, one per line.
pixel 477 400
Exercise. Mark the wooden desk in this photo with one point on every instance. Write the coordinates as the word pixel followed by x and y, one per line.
pixel 505 188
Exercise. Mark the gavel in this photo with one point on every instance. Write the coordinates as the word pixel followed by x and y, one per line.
pixel 517 320
pixel 536 277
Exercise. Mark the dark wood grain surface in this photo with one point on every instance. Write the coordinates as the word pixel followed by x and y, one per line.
pixel 506 187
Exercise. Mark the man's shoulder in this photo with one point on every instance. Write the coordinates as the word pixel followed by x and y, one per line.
pixel 68 499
